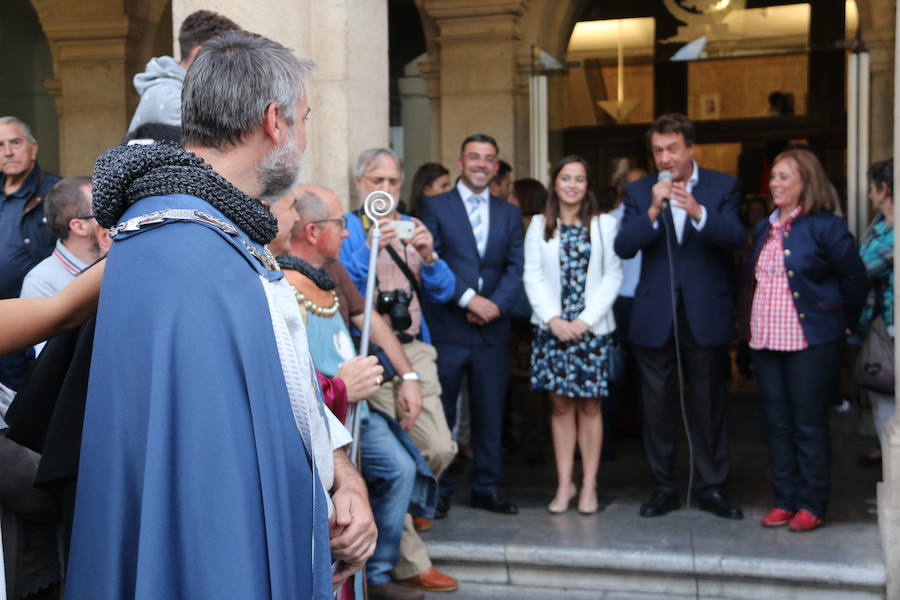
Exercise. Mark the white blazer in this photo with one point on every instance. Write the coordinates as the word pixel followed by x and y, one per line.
pixel 542 275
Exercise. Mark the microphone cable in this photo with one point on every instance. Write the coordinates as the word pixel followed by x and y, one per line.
pixel 669 224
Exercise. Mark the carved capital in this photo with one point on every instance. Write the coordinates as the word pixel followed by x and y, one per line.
pixel 54 87
pixel 473 21
pixel 430 70
pixel 92 38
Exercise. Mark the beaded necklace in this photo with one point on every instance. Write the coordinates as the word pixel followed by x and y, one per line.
pixel 314 308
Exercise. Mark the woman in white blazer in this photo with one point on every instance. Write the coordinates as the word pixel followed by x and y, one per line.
pixel 572 277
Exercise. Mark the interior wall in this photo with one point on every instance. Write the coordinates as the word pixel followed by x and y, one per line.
pixel 27 64
pixel 743 84
pixel 742 87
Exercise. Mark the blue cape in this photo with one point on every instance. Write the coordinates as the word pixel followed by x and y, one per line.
pixel 194 482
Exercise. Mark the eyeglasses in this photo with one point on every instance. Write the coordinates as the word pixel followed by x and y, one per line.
pixel 86 217
pixel 376 181
pixel 342 221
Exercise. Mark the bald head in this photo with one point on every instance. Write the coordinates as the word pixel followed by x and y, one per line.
pixel 315 202
pixel 319 232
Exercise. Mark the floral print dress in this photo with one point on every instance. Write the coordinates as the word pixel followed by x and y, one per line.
pixel 574 369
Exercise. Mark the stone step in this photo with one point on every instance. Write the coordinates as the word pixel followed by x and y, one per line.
pixel 688 555
pixel 547 572
pixel 491 591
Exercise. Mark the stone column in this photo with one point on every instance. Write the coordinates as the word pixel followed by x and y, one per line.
pixel 889 488
pixel 477 46
pixel 349 93
pixel 879 41
pixel 92 84
pixel 416 111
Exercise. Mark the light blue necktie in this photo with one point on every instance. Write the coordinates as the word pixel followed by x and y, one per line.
pixel 478 228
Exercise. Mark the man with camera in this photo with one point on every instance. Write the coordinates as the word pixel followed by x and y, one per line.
pixel 407 269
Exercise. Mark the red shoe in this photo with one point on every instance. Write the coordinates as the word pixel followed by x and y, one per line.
pixel 804 521
pixel 421 524
pixel 432 580
pixel 776 518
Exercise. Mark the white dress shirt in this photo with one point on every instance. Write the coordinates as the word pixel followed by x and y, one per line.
pixel 679 215
pixel 631 267
pixel 484 212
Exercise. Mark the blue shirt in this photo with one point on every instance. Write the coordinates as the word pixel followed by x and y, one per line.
pixel 15 261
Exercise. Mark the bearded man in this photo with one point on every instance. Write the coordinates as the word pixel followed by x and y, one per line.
pixel 207 456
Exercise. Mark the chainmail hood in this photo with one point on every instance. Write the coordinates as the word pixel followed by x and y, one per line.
pixel 289 262
pixel 125 174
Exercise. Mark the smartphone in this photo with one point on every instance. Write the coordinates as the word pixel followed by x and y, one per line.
pixel 404 228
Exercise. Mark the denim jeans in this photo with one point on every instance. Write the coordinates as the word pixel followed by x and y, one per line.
pixel 389 472
pixel 794 390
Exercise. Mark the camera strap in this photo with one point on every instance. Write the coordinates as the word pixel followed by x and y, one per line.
pixel 403 267
pixel 367 224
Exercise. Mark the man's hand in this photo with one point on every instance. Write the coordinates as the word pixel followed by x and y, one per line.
pixel 351 527
pixel 483 308
pixel 661 192
pixel 682 199
pixel 361 376
pixel 422 241
pixel 388 233
pixel 409 397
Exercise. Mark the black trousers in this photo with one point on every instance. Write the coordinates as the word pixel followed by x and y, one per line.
pixel 794 389
pixel 704 402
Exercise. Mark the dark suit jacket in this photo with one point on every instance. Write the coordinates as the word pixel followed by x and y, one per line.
pixel 702 262
pixel 826 275
pixel 500 269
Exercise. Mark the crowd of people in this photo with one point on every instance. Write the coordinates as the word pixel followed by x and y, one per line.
pixel 204 410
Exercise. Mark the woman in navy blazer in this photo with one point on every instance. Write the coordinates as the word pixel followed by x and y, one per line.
pixel 809 288
pixel 572 277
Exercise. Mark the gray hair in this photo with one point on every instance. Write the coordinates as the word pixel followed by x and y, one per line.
pixel 311 206
pixel 231 82
pixel 17 121
pixel 367 157
pixel 64 202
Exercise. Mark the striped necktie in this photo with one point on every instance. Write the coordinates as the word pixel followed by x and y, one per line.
pixel 478 228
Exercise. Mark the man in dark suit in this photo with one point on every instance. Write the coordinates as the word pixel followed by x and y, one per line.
pixel 695 214
pixel 480 238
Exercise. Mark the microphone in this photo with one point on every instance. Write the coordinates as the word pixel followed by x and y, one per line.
pixel 664 176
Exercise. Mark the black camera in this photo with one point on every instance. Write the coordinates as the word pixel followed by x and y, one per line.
pixel 395 304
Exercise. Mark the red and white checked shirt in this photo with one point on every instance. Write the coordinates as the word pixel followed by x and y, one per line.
pixel 774 324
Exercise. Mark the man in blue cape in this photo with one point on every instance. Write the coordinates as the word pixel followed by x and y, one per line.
pixel 210 468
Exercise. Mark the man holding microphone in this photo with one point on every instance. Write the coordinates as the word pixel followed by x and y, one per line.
pixel 686 223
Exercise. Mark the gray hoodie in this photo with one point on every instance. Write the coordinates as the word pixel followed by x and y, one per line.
pixel 160 89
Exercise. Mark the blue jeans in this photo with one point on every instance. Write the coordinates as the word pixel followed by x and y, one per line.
pixel 794 389
pixel 389 472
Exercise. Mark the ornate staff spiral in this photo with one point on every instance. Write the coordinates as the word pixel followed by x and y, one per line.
pixel 378 204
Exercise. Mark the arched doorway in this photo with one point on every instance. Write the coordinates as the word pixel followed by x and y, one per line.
pixel 719 70
pixel 27 65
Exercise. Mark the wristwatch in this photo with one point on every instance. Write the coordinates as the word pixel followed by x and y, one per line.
pixel 411 376
pixel 434 258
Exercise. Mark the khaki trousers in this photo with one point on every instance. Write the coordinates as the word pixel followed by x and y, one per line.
pixel 430 435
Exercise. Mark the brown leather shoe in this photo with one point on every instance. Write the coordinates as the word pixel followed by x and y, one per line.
pixel 432 580
pixel 421 524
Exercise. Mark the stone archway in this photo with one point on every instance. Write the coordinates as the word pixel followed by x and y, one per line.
pixel 96 46
pixel 23 93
